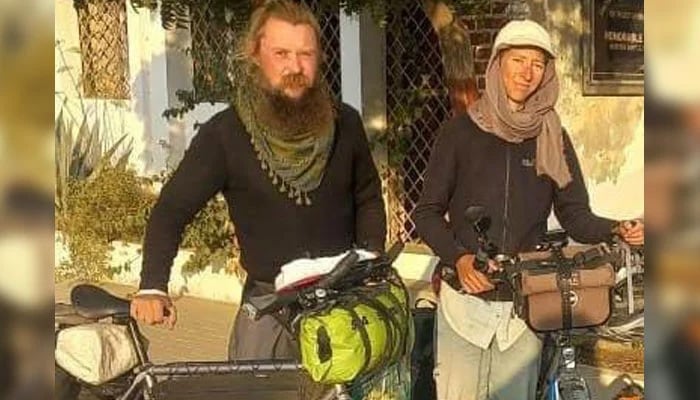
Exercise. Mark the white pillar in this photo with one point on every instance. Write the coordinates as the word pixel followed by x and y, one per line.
pixel 362 64
pixel 351 60
pixel 180 72
pixel 363 81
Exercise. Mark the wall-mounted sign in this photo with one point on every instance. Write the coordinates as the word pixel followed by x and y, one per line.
pixel 613 47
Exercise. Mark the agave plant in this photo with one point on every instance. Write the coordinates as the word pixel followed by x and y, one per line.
pixel 81 155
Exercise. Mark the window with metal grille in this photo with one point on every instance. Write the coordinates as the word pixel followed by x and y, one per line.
pixel 104 48
pixel 214 39
pixel 417 105
pixel 329 21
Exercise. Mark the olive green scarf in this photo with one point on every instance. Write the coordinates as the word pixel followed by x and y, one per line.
pixel 294 163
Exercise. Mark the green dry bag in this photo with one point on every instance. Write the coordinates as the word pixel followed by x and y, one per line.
pixel 366 329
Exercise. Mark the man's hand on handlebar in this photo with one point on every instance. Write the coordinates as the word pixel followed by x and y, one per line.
pixel 631 232
pixel 472 280
pixel 154 309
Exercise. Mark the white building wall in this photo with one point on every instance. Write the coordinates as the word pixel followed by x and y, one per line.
pixel 138 117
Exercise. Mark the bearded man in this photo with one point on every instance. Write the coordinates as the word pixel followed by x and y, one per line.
pixel 294 167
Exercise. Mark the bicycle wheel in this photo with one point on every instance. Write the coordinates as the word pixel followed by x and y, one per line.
pixel 573 387
pixel 308 389
pixel 549 363
pixel 391 383
pixel 65 386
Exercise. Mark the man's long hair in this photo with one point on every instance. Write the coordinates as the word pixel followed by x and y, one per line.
pixel 285 10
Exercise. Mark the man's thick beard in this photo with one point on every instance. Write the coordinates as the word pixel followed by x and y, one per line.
pixel 313 112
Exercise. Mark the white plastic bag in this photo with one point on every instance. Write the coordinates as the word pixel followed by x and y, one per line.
pixel 95 353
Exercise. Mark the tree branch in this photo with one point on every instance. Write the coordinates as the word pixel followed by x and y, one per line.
pixel 457 59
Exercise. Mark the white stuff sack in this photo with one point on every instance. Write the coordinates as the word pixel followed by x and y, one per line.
pixel 95 353
pixel 303 268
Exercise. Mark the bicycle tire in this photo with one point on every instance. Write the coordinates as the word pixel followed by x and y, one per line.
pixel 578 390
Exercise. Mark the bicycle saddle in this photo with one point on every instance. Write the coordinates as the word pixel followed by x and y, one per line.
pixel 94 302
pixel 65 314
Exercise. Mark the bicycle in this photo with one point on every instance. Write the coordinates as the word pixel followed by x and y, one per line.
pixel 217 380
pixel 145 380
pixel 630 276
pixel 627 323
pixel 559 378
pixel 563 381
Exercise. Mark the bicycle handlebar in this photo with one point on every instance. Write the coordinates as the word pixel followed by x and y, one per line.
pixel 588 258
pixel 348 271
pixel 339 271
pixel 258 306
pixel 552 259
pixel 393 252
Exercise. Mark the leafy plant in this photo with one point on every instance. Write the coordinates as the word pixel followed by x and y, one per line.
pixel 82 156
pixel 211 236
pixel 115 206
pixel 100 200
pixel 175 13
pixel 85 162
pixel 112 205
pixel 81 151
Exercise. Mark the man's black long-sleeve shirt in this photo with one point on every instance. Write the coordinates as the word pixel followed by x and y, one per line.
pixel 347 208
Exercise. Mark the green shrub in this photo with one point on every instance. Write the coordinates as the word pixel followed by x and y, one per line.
pixel 112 205
pixel 210 236
pixel 115 205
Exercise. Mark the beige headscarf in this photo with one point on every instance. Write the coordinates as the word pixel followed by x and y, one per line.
pixel 537 118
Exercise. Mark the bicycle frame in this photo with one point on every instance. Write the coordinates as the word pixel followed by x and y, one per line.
pixel 632 263
pixel 148 374
pixel 141 384
pixel 562 380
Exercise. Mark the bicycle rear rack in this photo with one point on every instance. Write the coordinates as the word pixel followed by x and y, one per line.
pixel 206 368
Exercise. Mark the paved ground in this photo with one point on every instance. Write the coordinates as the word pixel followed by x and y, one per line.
pixel 203 328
